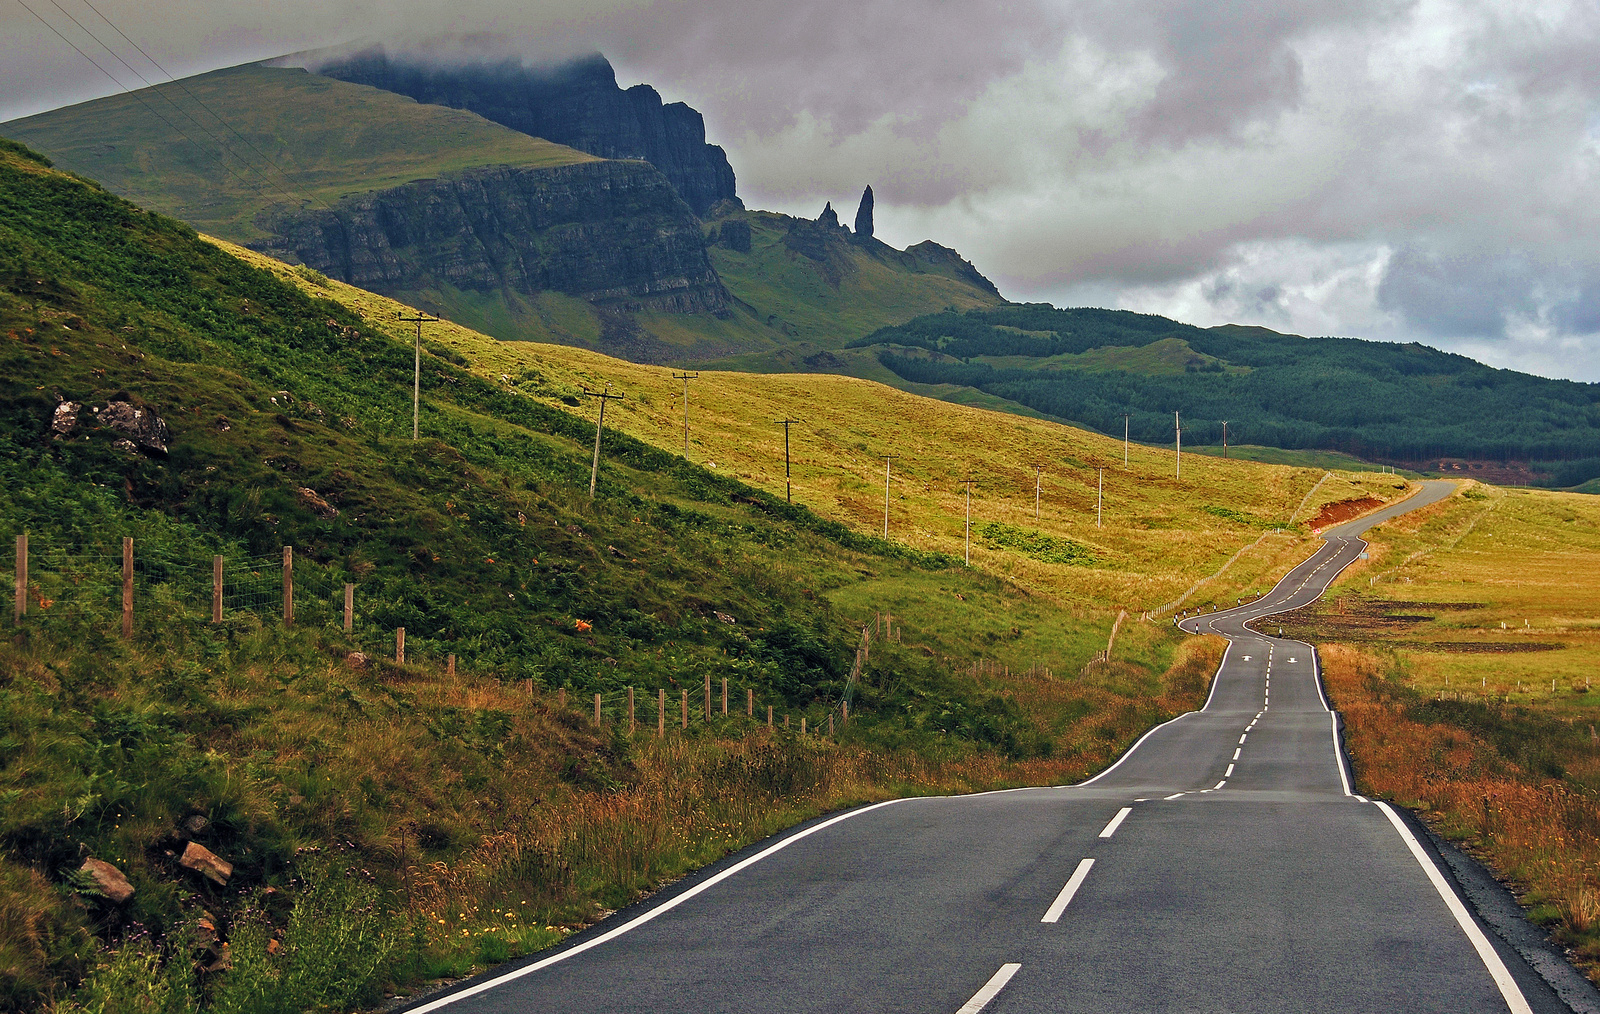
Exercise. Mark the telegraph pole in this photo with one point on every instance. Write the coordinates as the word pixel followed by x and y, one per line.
pixel 416 372
pixel 968 483
pixel 1125 417
pixel 685 376
pixel 886 459
pixel 1038 474
pixel 1224 438
pixel 600 424
pixel 1177 432
pixel 788 490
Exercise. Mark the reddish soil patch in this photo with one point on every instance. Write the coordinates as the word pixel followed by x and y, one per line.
pixel 1344 510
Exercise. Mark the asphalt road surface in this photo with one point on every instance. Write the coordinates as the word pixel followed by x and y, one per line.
pixel 1221 865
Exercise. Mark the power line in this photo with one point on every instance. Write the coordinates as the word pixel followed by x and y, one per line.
pixel 199 102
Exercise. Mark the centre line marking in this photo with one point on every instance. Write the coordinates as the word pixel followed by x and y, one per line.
pixel 1220 784
pixel 1228 773
pixel 1237 751
pixel 1243 738
pixel 1116 822
pixel 1175 795
pixel 1053 913
pixel 996 983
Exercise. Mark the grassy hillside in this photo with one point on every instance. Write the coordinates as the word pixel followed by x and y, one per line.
pixel 1462 655
pixel 388 822
pixel 1382 401
pixel 285 139
pixel 1158 534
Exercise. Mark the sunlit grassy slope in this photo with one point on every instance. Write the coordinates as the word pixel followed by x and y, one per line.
pixel 1159 533
pixel 300 139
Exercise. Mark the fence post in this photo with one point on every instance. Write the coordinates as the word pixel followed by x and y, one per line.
pixel 686 708
pixel 561 698
pixel 802 726
pixel 527 685
pixel 786 721
pixel 661 712
pixel 288 587
pixel 630 711
pixel 769 716
pixel 400 645
pixel 724 697
pixel 750 704
pixel 708 697
pixel 127 587
pixel 22 578
pixel 597 711
pixel 450 666
pixel 846 718
pixel 216 589
pixel 349 606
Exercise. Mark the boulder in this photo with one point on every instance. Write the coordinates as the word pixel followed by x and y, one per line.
pixel 65 419
pixel 322 508
pixel 139 426
pixel 206 863
pixel 108 880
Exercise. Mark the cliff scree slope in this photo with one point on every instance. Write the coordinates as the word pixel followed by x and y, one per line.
pixel 578 104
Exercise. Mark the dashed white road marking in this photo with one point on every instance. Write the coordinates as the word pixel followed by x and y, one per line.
pixel 1219 784
pixel 990 989
pixel 1244 737
pixel 1175 795
pixel 1228 773
pixel 1237 751
pixel 1053 913
pixel 1116 822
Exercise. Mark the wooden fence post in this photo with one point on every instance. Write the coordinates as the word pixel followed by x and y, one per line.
pixel 708 697
pixel 786 721
pixel 750 704
pixel 349 606
pixel 127 587
pixel 661 712
pixel 216 589
pixel 527 685
pixel 724 697
pixel 846 719
pixel 597 710
pixel 802 726
pixel 288 587
pixel 450 666
pixel 400 645
pixel 769 716
pixel 630 711
pixel 561 698
pixel 22 578
pixel 686 708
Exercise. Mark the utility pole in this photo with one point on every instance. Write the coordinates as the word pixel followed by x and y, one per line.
pixel 685 376
pixel 886 459
pixel 1224 438
pixel 968 483
pixel 600 424
pixel 788 490
pixel 1100 499
pixel 1178 436
pixel 416 372
pixel 1125 417
pixel 1038 473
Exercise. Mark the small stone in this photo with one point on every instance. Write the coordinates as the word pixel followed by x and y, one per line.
pixel 196 823
pixel 322 508
pixel 724 617
pixel 356 660
pixel 108 880
pixel 224 959
pixel 207 863
pixel 65 419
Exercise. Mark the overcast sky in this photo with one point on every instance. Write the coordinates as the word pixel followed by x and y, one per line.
pixel 1424 171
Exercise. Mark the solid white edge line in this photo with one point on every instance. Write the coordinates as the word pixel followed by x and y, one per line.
pixel 1216 679
pixel 1116 822
pixel 1053 913
pixel 1486 952
pixel 1316 678
pixel 996 983
pixel 1130 751
pixel 645 917
pixel 1338 754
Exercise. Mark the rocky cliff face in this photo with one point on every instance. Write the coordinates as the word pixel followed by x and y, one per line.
pixel 613 233
pixel 578 104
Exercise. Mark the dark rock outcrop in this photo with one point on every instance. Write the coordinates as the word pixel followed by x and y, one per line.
pixel 613 233
pixel 578 104
pixel 829 219
pixel 864 215
pixel 932 254
pixel 735 235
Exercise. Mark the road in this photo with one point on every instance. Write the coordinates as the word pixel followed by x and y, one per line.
pixel 1221 865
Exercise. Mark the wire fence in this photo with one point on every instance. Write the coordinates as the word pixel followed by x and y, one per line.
pixel 141 588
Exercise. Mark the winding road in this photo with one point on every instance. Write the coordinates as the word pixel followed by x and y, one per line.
pixel 1223 864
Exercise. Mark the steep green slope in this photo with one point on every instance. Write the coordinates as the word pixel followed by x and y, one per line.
pixel 450 802
pixel 302 141
pixel 1383 401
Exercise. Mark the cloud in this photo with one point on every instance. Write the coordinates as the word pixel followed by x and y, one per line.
pixel 1405 169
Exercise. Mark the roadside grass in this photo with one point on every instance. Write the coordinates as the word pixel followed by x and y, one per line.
pixel 1454 715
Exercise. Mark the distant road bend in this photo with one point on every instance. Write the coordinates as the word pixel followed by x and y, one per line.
pixel 1223 864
